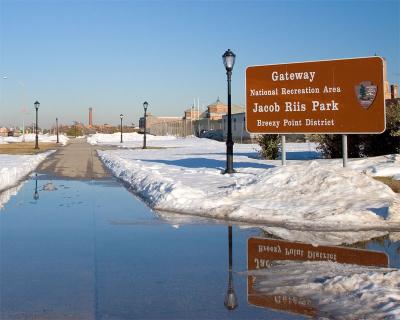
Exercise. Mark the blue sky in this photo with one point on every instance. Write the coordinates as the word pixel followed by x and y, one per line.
pixel 113 55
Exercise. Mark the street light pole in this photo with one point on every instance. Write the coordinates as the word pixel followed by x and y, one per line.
pixel 36 104
pixel 57 130
pixel 23 110
pixel 121 116
pixel 145 106
pixel 229 61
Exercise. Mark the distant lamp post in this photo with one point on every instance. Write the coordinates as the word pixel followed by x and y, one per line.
pixel 58 141
pixel 229 61
pixel 230 301
pixel 36 104
pixel 121 116
pixel 145 106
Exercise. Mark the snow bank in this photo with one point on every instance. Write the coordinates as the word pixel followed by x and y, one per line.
pixel 115 138
pixel 14 167
pixel 317 195
pixel 31 137
pixel 338 291
pixel 384 166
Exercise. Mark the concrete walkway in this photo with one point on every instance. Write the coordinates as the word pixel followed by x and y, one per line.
pixel 77 160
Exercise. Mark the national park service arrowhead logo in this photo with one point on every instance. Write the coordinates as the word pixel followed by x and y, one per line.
pixel 366 93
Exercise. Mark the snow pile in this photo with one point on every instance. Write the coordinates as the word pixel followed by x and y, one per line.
pixel 304 195
pixel 390 167
pixel 31 138
pixel 127 138
pixel 14 167
pixel 338 291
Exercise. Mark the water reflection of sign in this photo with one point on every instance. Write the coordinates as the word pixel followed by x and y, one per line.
pixel 262 252
pixel 335 96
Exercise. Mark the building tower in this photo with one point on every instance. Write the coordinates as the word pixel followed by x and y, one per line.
pixel 90 117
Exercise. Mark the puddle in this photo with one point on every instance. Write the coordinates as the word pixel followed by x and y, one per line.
pixel 92 250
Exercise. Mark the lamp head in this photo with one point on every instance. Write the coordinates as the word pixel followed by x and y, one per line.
pixel 145 105
pixel 229 60
pixel 36 104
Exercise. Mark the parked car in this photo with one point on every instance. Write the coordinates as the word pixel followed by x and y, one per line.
pixel 212 134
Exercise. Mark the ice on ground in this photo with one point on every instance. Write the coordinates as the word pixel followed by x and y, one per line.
pixel 49 186
pixel 13 168
pixel 338 291
pixel 31 137
pixel 315 195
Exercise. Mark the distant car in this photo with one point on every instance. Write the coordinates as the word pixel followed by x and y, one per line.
pixel 212 134
pixel 10 133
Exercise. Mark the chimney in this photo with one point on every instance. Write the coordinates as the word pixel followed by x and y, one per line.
pixel 90 117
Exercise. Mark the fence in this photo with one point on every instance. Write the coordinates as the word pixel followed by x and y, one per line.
pixel 183 128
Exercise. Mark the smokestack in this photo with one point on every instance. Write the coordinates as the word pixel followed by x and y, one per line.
pixel 90 117
pixel 394 91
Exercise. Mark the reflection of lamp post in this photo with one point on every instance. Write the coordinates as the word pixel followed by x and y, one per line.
pixel 37 104
pixel 121 116
pixel 145 106
pixel 36 194
pixel 230 301
pixel 57 130
pixel 229 61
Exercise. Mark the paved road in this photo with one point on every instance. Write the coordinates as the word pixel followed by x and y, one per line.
pixel 77 160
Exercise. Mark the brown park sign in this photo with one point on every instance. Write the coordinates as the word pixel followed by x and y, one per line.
pixel 335 96
pixel 261 252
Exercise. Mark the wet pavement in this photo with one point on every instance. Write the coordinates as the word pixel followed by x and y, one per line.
pixel 90 249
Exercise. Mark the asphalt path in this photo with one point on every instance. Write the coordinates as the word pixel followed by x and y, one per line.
pixel 76 160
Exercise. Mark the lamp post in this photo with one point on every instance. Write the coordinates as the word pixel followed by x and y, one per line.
pixel 145 106
pixel 229 61
pixel 23 96
pixel 121 116
pixel 58 141
pixel 230 301
pixel 37 104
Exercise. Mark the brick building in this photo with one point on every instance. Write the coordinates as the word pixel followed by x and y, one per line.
pixel 216 110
